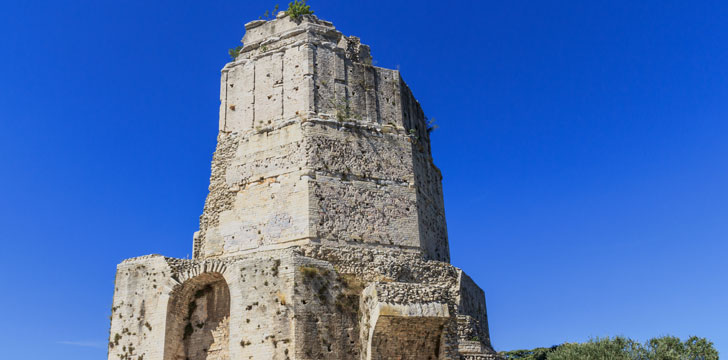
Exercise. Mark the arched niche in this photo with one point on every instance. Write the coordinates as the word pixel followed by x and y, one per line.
pixel 407 338
pixel 198 320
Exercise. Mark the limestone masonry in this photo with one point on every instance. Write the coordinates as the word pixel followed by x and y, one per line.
pixel 323 235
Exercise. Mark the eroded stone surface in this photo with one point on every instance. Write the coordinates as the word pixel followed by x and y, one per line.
pixel 317 145
pixel 304 302
pixel 323 235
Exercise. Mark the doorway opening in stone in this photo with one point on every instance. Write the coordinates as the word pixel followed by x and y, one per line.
pixel 198 320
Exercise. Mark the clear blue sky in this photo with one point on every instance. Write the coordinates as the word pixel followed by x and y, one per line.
pixel 584 148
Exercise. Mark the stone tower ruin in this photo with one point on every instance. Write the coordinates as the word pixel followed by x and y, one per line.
pixel 323 235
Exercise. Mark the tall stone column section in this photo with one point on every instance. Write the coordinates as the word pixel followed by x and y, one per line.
pixel 316 145
pixel 323 235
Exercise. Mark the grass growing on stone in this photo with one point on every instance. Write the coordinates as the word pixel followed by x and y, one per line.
pixel 348 299
pixel 309 271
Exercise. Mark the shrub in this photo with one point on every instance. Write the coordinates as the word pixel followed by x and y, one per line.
pixel 234 52
pixel 618 348
pixel 621 348
pixel 298 8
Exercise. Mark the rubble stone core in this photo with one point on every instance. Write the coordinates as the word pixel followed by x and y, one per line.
pixel 323 235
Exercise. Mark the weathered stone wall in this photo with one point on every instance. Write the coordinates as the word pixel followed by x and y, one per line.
pixel 323 235
pixel 264 292
pixel 317 145
pixel 407 339
pixel 327 307
pixel 139 310
pixel 220 197
pixel 198 320
pixel 473 317
pixel 303 302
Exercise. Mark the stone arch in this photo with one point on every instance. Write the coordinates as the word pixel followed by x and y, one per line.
pixel 198 319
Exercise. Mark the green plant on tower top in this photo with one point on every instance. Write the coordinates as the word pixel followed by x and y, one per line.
pixel 298 8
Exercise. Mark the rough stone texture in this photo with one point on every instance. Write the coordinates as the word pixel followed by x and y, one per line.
pixel 200 316
pixel 318 146
pixel 323 235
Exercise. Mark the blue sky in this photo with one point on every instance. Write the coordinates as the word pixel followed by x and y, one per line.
pixel 583 147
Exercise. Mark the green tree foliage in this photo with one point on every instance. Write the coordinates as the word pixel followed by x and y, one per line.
pixel 298 8
pixel 695 347
pixel 617 348
pixel 665 348
pixel 671 348
pixel 533 354
pixel 621 348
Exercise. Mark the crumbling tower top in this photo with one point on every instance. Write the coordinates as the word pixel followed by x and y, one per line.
pixel 316 145
pixel 262 32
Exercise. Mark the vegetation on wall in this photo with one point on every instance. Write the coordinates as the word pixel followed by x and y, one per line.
pixel 234 52
pixel 431 126
pixel 621 348
pixel 295 10
pixel 298 8
pixel 270 15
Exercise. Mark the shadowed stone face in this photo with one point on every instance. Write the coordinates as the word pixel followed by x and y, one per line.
pixel 198 320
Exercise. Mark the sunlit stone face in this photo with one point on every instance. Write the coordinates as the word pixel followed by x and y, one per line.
pixel 318 146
